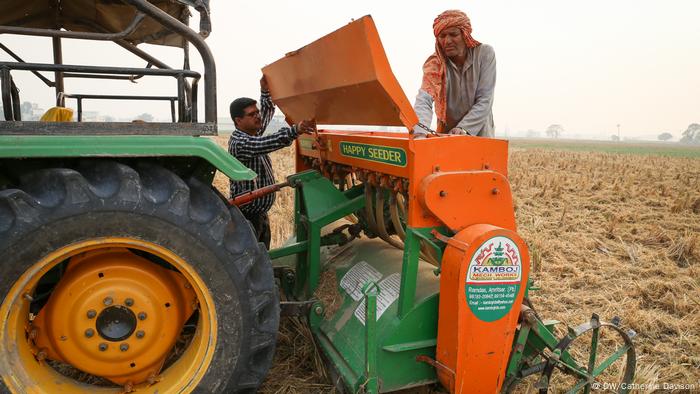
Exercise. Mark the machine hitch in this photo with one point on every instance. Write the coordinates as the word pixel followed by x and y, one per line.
pixel 245 198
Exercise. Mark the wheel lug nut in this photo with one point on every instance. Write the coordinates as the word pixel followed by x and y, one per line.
pixel 107 301
pixel 142 315
pixel 103 347
pixel 129 302
pixel 91 314
pixel 124 347
pixel 89 332
pixel 140 334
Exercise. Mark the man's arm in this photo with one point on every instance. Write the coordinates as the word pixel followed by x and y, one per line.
pixel 267 108
pixel 475 120
pixel 424 109
pixel 245 147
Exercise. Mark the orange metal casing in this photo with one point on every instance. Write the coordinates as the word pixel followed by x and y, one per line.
pixel 474 352
pixel 343 78
pixel 437 155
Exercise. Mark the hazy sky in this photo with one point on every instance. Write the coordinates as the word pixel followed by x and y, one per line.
pixel 586 65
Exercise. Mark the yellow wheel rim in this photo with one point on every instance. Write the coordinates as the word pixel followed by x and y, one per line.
pixel 22 371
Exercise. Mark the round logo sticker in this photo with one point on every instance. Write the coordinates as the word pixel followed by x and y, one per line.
pixel 493 278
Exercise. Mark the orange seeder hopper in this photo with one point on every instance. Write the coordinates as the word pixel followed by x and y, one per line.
pixel 459 212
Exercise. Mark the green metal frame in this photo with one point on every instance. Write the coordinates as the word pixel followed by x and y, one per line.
pixel 535 338
pixel 40 146
pixel 371 385
pixel 319 203
pixel 411 256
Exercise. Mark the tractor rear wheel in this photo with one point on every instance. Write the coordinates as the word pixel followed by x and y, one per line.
pixel 130 277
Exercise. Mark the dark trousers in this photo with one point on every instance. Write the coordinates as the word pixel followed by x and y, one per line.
pixel 261 226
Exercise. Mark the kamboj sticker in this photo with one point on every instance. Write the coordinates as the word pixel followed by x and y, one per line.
pixel 493 278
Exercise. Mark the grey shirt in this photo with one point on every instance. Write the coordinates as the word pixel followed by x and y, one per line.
pixel 470 94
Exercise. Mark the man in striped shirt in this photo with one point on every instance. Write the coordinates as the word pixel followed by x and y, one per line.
pixel 250 147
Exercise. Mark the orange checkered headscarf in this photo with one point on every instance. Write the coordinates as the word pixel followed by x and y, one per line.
pixel 434 67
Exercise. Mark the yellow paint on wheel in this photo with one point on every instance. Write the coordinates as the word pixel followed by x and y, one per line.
pixel 106 281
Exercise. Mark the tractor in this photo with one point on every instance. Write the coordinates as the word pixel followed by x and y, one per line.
pixel 122 269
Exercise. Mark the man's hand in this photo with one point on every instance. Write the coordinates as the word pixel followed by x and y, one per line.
pixel 263 84
pixel 306 126
pixel 458 131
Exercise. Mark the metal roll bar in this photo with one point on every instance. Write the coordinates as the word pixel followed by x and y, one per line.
pixel 188 106
pixel 10 93
pixel 176 26
pixel 98 69
pixel 80 97
pixel 47 81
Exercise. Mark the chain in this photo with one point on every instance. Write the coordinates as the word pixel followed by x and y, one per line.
pixel 426 128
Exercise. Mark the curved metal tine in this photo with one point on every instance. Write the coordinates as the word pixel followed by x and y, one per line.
pixel 426 253
pixel 369 208
pixel 425 249
pixel 395 218
pixel 402 206
pixel 381 225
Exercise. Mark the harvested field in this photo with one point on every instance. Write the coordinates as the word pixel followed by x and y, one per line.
pixel 616 234
pixel 619 235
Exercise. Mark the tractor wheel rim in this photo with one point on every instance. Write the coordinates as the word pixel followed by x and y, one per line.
pixel 109 340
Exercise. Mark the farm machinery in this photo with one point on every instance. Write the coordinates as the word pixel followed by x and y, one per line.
pixel 123 269
pixel 437 287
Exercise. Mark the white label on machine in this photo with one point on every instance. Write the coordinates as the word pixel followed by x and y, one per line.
pixel 388 293
pixel 356 277
pixel 497 261
pixel 493 278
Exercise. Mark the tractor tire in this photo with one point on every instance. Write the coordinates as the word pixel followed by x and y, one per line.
pixel 56 216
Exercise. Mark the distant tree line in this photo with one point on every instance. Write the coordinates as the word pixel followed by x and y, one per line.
pixel 665 136
pixel 691 135
pixel 554 131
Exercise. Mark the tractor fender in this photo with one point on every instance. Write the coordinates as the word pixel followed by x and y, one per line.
pixel 116 146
